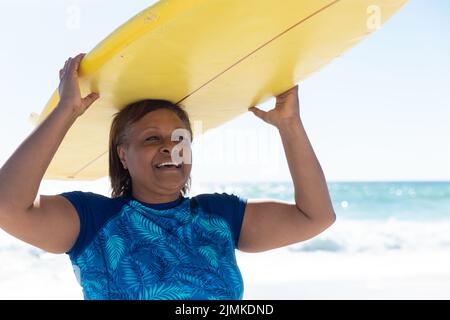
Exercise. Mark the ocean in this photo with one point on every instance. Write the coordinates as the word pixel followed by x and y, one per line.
pixel 372 215
pixel 391 240
pixel 365 200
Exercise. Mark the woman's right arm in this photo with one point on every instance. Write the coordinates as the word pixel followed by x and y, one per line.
pixel 47 222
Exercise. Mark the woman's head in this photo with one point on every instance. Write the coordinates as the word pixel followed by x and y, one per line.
pixel 141 139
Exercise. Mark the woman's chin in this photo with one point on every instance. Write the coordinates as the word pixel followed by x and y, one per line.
pixel 171 181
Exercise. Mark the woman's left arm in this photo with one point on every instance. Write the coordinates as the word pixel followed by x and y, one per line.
pixel 273 224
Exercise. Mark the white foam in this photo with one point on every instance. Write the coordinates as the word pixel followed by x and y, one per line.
pixel 379 236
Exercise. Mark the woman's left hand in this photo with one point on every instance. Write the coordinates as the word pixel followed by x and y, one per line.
pixel 287 108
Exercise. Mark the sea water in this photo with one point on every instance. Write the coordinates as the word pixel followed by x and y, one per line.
pixel 371 215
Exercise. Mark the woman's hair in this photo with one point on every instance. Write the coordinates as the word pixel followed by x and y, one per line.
pixel 121 124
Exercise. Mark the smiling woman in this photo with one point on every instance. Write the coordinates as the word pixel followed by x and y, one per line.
pixel 133 141
pixel 150 240
pixel 158 243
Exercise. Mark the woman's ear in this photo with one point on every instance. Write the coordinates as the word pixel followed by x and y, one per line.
pixel 121 155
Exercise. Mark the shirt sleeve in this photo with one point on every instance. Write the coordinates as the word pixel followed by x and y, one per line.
pixel 93 211
pixel 229 206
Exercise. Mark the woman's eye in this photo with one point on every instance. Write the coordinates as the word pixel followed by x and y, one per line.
pixel 152 138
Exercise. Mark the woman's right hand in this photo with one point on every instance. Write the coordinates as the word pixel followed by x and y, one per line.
pixel 69 89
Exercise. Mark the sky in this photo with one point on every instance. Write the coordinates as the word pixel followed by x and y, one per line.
pixel 379 112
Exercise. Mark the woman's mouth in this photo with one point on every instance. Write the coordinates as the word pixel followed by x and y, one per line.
pixel 169 166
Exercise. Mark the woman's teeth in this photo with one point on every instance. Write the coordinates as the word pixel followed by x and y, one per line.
pixel 168 165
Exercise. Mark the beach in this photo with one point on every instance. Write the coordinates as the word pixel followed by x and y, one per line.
pixel 349 277
pixel 391 240
pixel 296 272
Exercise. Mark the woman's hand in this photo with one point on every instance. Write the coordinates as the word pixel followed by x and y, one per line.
pixel 286 109
pixel 69 89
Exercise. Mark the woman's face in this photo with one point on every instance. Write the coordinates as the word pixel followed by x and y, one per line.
pixel 151 145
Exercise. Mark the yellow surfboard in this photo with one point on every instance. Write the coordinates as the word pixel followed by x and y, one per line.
pixel 214 57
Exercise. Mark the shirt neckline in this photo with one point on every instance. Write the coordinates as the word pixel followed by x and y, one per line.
pixel 159 206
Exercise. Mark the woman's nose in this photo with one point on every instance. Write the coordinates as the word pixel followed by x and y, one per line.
pixel 165 150
pixel 168 146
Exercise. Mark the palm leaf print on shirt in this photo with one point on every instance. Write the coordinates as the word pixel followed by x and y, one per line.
pixel 115 249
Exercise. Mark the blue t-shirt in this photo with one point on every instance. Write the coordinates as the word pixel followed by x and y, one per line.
pixel 184 249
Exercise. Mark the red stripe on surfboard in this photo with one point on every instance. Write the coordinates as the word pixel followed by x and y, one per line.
pixel 87 165
pixel 260 47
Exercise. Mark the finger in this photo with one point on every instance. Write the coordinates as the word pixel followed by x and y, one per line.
pixel 258 112
pixel 66 68
pixel 65 64
pixel 63 70
pixel 90 99
pixel 78 58
pixel 294 90
pixel 289 91
pixel 70 66
pixel 77 61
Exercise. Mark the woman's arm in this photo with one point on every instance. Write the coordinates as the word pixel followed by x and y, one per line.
pixel 22 173
pixel 311 191
pixel 273 224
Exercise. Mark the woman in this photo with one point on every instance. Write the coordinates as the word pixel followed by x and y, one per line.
pixel 151 241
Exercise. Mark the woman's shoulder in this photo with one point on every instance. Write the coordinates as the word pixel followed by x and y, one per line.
pixel 218 196
pixel 229 206
pixel 89 195
pixel 92 201
pixel 216 201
